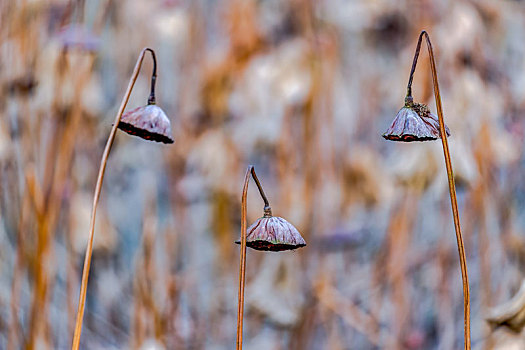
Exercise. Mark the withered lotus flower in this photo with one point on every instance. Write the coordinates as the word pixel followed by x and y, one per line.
pixel 267 233
pixel 414 122
pixel 149 122
pixel 273 233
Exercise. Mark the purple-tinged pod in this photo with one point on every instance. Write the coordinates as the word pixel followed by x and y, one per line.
pixel 149 122
pixel 414 122
pixel 273 233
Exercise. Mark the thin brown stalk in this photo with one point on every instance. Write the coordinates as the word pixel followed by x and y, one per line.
pixel 98 188
pixel 242 265
pixel 450 175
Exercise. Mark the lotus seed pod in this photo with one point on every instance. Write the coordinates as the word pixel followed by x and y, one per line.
pixel 414 122
pixel 149 122
pixel 273 233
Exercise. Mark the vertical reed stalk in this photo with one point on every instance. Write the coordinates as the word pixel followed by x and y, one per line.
pixel 98 188
pixel 450 175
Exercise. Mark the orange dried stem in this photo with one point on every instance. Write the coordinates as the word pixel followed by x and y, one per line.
pixel 98 188
pixel 242 264
pixel 451 184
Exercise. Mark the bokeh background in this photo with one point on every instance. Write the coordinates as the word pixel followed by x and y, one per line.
pixel 302 89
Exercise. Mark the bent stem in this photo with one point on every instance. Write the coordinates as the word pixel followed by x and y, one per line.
pixel 151 98
pixel 242 264
pixel 450 175
pixel 98 188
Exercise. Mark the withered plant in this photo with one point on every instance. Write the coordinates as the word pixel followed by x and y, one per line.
pixel 268 233
pixel 414 122
pixel 148 122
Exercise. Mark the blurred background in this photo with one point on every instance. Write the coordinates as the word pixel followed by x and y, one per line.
pixel 303 90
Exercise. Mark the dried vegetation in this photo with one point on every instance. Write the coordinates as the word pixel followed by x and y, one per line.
pixel 302 89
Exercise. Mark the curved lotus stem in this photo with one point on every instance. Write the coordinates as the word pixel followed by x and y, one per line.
pixel 242 265
pixel 151 98
pixel 414 64
pixel 450 174
pixel 98 188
